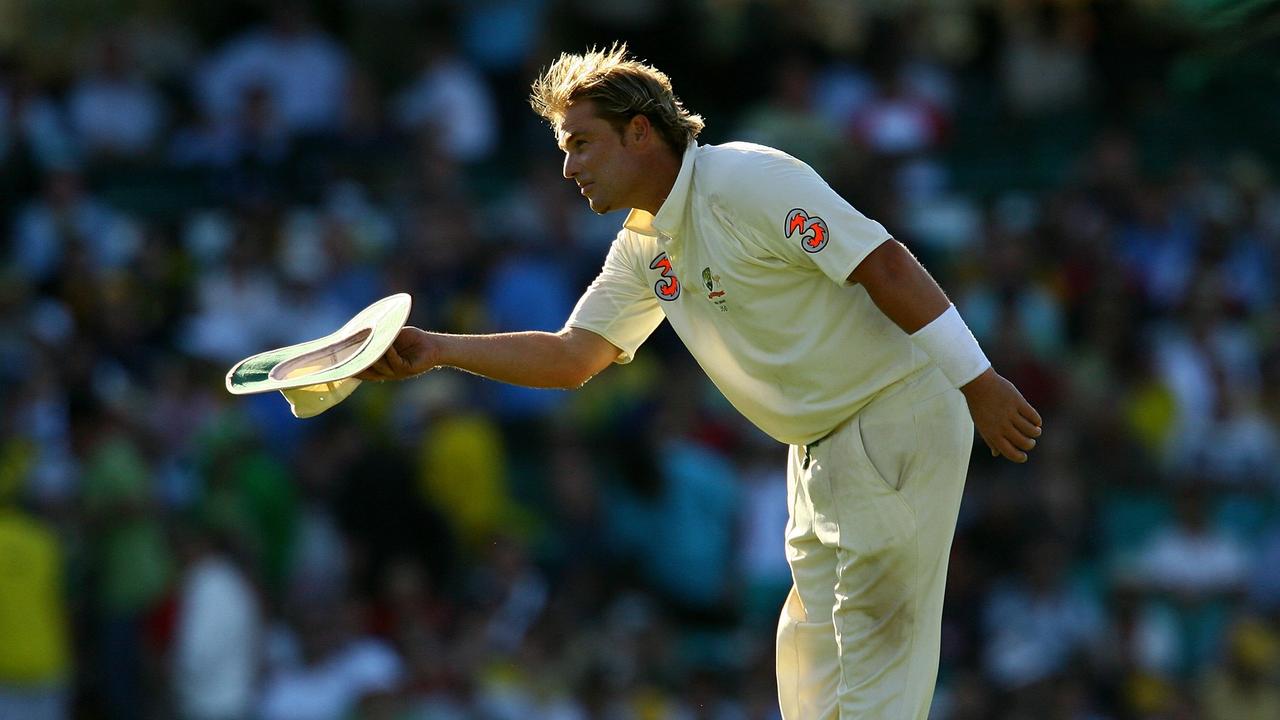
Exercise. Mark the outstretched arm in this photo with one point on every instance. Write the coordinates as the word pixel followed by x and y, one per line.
pixel 905 292
pixel 565 359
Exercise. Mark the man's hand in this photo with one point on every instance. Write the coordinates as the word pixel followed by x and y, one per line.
pixel 1005 420
pixel 412 353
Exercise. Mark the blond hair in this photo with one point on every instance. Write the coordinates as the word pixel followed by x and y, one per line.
pixel 621 87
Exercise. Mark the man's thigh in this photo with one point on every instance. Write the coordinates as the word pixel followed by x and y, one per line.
pixel 879 502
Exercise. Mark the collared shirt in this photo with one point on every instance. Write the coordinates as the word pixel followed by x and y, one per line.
pixel 748 259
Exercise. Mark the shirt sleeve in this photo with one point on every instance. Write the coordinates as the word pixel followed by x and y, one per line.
pixel 798 216
pixel 619 305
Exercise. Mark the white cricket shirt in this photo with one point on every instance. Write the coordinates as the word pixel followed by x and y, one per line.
pixel 748 259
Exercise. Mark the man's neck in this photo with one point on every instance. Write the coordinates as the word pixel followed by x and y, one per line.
pixel 663 171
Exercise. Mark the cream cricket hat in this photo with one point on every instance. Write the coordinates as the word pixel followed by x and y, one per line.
pixel 316 375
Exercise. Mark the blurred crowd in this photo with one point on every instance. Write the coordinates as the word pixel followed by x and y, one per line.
pixel 1095 184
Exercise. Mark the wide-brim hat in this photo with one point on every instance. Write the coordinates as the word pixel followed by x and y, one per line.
pixel 318 374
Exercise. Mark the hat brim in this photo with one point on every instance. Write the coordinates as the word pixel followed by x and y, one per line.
pixel 337 356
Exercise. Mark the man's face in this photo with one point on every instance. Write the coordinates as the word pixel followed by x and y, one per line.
pixel 596 158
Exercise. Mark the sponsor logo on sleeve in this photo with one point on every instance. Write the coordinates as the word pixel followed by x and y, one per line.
pixel 668 285
pixel 812 230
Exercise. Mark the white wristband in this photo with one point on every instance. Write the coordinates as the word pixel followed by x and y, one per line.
pixel 952 346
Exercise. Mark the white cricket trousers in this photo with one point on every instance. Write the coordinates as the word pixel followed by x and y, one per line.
pixel 873 510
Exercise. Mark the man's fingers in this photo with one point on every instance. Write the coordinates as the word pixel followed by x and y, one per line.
pixel 374 372
pixel 1026 427
pixel 1009 451
pixel 993 444
pixel 1008 424
pixel 395 364
pixel 379 371
pixel 1004 447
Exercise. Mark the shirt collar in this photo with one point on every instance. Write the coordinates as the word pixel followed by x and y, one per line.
pixel 671 214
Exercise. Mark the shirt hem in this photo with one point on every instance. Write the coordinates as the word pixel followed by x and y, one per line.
pixel 857 260
pixel 626 355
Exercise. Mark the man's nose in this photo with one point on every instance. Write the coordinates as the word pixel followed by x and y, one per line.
pixel 570 167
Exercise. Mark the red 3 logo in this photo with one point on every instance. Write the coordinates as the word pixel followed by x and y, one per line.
pixel 668 286
pixel 813 230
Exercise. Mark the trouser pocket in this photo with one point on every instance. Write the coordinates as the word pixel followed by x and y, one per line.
pixel 808 665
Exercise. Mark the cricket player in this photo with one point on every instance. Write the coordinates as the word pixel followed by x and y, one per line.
pixel 818 326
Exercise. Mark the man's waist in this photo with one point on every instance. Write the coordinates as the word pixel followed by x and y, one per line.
pixel 914 378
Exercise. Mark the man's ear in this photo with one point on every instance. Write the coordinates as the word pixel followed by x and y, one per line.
pixel 638 130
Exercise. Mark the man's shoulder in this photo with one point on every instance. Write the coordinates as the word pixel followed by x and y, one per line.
pixel 630 241
pixel 738 153
pixel 734 164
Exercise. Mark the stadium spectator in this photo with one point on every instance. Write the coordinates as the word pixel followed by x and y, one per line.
pixel 1041 621
pixel 37 127
pixel 113 110
pixel 133 560
pixel 35 657
pixel 1190 555
pixel 1045 60
pixel 337 671
pixel 789 118
pixel 68 228
pixel 300 71
pixel 216 649
pixel 1243 686
pixel 898 121
pixel 450 103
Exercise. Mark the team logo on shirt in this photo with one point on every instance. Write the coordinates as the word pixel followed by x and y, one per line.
pixel 715 291
pixel 812 229
pixel 668 286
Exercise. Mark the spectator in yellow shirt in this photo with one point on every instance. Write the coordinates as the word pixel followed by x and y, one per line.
pixel 35 665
